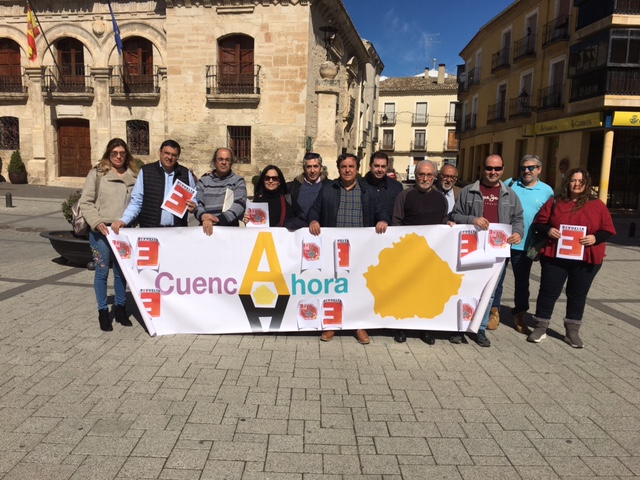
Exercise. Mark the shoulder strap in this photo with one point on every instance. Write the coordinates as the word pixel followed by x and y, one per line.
pixel 511 182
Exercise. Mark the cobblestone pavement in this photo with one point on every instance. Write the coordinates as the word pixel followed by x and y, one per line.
pixel 76 402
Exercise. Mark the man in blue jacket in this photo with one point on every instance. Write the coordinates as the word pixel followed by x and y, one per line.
pixel 347 202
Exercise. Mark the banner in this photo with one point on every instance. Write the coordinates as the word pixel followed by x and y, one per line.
pixel 272 280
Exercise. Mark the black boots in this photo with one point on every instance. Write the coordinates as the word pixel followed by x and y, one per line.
pixel 121 316
pixel 105 322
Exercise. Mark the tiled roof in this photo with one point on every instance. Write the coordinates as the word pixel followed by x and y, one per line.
pixel 418 84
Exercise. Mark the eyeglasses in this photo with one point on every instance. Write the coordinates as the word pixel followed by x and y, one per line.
pixel 448 177
pixel 115 154
pixel 491 169
pixel 269 178
pixel 531 168
pixel 425 175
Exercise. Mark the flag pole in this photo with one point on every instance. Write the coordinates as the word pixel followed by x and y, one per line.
pixel 35 14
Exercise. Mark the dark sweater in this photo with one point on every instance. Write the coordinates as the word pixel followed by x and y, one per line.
pixel 417 207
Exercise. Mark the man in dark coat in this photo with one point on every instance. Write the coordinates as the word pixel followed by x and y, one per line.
pixel 386 187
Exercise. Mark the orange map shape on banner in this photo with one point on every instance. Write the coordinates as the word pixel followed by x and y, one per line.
pixel 411 280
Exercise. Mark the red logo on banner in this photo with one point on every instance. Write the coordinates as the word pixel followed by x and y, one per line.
pixel 310 251
pixel 467 312
pixel 148 253
pixel 332 312
pixel 468 243
pixel 152 301
pixel 257 215
pixel 497 238
pixel 123 248
pixel 343 250
pixel 308 311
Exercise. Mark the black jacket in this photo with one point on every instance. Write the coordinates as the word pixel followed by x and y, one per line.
pixel 154 195
pixel 298 218
pixel 387 189
pixel 325 208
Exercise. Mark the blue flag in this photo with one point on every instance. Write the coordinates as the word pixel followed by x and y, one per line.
pixel 116 30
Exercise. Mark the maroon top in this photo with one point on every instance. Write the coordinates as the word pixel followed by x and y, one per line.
pixel 491 197
pixel 594 215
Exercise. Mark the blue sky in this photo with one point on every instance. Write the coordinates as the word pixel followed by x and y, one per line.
pixel 409 34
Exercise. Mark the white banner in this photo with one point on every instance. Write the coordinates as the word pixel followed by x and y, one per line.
pixel 272 280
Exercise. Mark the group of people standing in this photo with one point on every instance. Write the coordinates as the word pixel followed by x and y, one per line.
pixel 118 194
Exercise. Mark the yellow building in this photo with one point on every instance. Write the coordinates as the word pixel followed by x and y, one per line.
pixel 271 79
pixel 416 119
pixel 561 82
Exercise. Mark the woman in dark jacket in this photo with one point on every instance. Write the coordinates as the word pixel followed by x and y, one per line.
pixel 271 189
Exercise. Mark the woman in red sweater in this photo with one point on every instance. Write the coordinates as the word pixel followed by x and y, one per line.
pixel 574 206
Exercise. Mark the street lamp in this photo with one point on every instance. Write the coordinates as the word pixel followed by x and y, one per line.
pixel 524 102
pixel 329 36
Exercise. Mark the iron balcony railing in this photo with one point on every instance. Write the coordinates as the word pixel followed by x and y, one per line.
pixel 519 107
pixel 420 118
pixel 611 81
pixel 135 79
pixel 501 59
pixel 525 47
pixel 450 118
pixel 550 97
pixel 12 84
pixel 221 81
pixel 590 11
pixel 495 113
pixel 470 121
pixel 419 145
pixel 451 145
pixel 556 30
pixel 388 118
pixel 388 145
pixel 67 79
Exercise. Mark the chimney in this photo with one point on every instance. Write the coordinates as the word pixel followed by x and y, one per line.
pixel 441 74
pixel 426 72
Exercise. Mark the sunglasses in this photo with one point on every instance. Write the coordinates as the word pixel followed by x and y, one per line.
pixel 269 178
pixel 531 168
pixel 491 169
pixel 448 177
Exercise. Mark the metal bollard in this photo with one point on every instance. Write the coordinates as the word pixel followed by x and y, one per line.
pixel 8 200
pixel 632 229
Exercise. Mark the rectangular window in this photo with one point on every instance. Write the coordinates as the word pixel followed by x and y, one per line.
pixel 9 133
pixel 387 140
pixel 421 113
pixel 138 137
pixel 389 116
pixel 239 140
pixel 420 140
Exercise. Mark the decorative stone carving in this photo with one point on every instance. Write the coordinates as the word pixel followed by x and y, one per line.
pixel 99 27
pixel 328 70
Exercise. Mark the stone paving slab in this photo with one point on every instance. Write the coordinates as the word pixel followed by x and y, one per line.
pixel 76 402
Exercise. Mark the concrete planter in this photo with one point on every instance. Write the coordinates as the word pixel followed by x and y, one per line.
pixel 74 250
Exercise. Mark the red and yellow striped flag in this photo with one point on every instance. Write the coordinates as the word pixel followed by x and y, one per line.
pixel 33 30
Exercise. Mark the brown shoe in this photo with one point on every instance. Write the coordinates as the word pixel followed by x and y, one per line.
pixel 494 318
pixel 327 335
pixel 521 324
pixel 362 337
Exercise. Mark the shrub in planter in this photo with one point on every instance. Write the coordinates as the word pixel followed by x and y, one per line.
pixel 17 170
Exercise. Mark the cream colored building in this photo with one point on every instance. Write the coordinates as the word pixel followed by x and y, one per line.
pixel 265 78
pixel 558 79
pixel 416 119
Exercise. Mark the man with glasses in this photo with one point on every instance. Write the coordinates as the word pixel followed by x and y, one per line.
pixel 420 205
pixel 154 182
pixel 447 178
pixel 347 202
pixel 533 194
pixel 386 187
pixel 213 190
pixel 304 189
pixel 487 201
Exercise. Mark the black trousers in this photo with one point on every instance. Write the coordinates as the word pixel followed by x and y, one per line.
pixel 555 272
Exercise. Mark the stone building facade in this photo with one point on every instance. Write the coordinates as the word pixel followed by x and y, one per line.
pixel 263 77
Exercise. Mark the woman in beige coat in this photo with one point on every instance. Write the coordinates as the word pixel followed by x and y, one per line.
pixel 105 196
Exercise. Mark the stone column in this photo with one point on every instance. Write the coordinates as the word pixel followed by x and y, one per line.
pixel 607 151
pixel 102 103
pixel 327 90
pixel 37 167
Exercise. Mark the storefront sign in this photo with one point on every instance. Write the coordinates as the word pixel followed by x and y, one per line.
pixel 626 119
pixel 579 122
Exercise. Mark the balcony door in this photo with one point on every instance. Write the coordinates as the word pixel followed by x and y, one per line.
pixel 10 70
pixel 138 65
pixel 71 62
pixel 236 64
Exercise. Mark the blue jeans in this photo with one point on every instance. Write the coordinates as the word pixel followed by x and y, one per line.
pixel 496 296
pixel 521 265
pixel 102 255
pixel 555 272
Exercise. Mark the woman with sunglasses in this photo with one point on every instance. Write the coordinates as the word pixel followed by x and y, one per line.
pixel 575 206
pixel 271 189
pixel 105 195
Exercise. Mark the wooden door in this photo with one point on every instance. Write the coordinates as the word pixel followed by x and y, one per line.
pixel 10 70
pixel 71 62
pixel 138 65
pixel 74 148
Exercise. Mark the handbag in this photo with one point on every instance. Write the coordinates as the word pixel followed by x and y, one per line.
pixel 537 241
pixel 78 222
